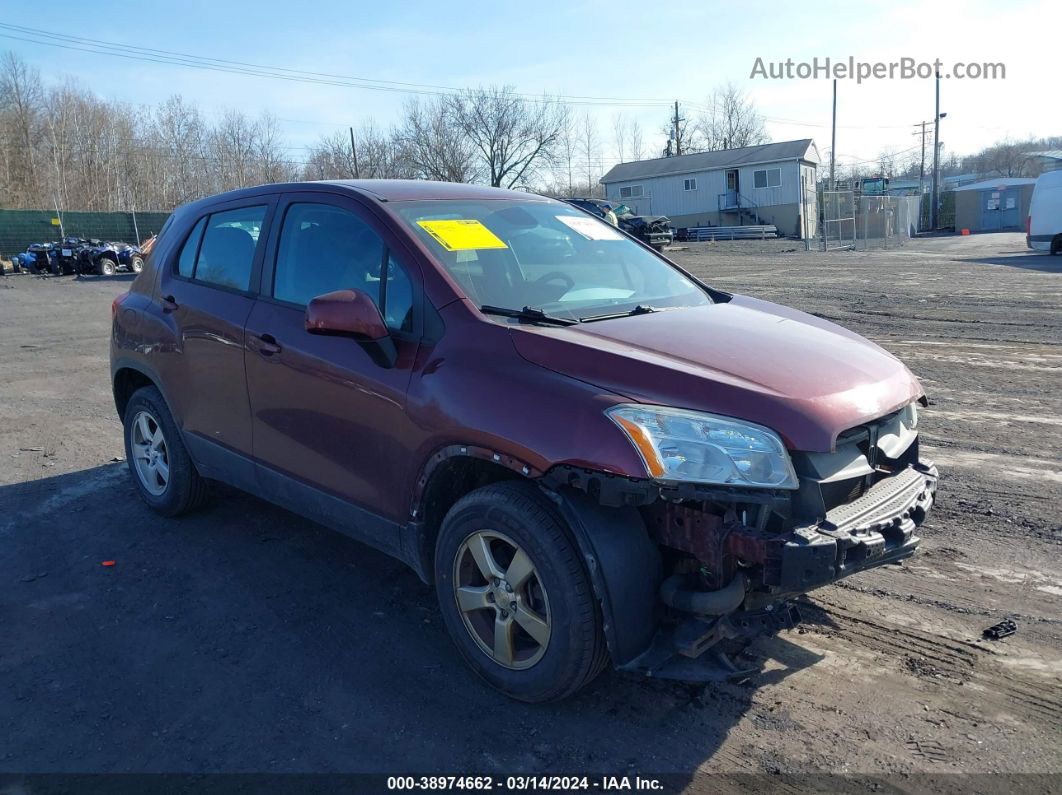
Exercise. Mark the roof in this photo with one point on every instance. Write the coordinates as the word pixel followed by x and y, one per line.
pixel 1049 154
pixel 408 189
pixel 382 189
pixel 706 161
pixel 999 182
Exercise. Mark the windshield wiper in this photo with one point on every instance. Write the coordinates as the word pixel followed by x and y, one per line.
pixel 528 313
pixel 641 309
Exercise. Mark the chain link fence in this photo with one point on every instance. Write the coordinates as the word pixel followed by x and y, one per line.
pixel 865 222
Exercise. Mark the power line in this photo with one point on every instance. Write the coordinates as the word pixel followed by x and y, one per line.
pixel 168 57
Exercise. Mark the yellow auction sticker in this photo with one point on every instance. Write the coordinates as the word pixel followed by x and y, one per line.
pixel 462 234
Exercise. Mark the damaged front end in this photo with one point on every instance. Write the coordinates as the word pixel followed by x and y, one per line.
pixel 733 558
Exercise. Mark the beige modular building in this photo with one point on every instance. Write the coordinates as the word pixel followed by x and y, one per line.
pixel 767 184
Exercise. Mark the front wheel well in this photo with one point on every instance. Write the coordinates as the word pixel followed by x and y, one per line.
pixel 126 382
pixel 447 483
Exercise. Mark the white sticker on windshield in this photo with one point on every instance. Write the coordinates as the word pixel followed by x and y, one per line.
pixel 590 228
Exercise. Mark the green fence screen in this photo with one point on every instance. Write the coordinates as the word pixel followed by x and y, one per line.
pixel 19 228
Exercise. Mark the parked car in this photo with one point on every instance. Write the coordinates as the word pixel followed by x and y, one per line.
pixel 1043 228
pixel 593 456
pixel 653 230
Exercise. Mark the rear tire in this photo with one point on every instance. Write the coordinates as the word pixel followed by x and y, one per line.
pixel 136 264
pixel 1056 245
pixel 538 637
pixel 162 470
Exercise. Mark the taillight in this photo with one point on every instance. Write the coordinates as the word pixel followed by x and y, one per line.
pixel 116 303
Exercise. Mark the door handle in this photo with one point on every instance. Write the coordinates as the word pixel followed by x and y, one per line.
pixel 266 344
pixel 168 303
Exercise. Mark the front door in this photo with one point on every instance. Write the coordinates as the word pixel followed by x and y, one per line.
pixel 991 210
pixel 732 188
pixel 329 419
pixel 206 295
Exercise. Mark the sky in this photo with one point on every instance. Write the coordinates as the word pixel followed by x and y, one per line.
pixel 625 55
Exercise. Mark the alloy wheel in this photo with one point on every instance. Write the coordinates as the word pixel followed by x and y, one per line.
pixel 501 598
pixel 150 454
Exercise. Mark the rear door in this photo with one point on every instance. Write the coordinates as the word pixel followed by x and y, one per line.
pixel 206 292
pixel 327 416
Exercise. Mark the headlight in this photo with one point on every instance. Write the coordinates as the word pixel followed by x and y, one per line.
pixel 909 416
pixel 689 446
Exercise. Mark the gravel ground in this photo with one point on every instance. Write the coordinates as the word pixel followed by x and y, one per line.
pixel 246 639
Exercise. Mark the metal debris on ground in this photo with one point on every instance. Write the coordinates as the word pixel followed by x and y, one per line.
pixel 1000 630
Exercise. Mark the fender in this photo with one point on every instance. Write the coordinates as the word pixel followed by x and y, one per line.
pixel 129 363
pixel 624 567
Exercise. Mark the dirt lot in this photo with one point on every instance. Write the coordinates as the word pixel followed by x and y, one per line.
pixel 246 639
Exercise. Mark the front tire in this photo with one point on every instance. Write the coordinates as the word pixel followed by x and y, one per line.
pixel 1056 245
pixel 515 595
pixel 162 470
pixel 105 267
pixel 136 264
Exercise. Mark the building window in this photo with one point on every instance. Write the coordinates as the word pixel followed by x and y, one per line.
pixel 767 178
pixel 689 184
pixel 631 192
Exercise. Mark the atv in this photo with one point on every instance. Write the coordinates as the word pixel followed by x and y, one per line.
pixel 42 258
pixel 106 259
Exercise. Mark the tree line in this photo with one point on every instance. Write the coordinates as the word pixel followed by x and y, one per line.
pixel 62 146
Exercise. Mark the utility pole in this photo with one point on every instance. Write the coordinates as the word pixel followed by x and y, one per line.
pixel 936 161
pixel 922 166
pixel 354 153
pixel 678 139
pixel 833 136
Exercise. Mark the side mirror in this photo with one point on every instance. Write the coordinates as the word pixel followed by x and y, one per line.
pixel 352 313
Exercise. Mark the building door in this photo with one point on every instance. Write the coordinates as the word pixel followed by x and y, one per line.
pixel 1009 201
pixel 991 215
pixel 733 187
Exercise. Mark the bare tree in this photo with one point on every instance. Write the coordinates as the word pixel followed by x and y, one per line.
pixel 619 136
pixel 731 121
pixel 636 147
pixel 513 137
pixel 435 143
pixel 590 149
pixel 21 100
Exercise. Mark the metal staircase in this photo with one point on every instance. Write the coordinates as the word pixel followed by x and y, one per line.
pixel 743 208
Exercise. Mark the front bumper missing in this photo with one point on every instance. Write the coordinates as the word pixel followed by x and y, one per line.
pixel 873 530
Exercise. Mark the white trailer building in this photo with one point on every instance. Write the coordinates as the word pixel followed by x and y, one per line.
pixel 767 184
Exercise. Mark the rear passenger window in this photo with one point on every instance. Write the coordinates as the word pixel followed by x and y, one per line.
pixel 220 249
pixel 186 262
pixel 227 251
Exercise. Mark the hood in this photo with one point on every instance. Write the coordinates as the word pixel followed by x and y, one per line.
pixel 806 378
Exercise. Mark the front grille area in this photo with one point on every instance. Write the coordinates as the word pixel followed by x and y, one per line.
pixel 864 455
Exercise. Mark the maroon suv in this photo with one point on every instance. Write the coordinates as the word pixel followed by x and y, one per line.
pixel 593 456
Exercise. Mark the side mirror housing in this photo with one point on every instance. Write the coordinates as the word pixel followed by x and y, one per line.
pixel 352 313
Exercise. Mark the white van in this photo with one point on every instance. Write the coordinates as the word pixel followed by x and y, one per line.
pixel 1043 229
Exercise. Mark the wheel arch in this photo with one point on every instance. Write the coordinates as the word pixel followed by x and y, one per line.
pixel 127 377
pixel 621 559
pixel 451 473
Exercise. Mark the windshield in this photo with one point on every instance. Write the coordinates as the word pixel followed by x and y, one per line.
pixel 547 256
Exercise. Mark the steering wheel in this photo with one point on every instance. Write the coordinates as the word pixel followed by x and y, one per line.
pixel 569 282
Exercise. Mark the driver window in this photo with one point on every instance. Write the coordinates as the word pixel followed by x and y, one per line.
pixel 325 248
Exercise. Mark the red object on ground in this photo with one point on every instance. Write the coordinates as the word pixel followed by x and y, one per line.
pixel 107 563
pixel 966 231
